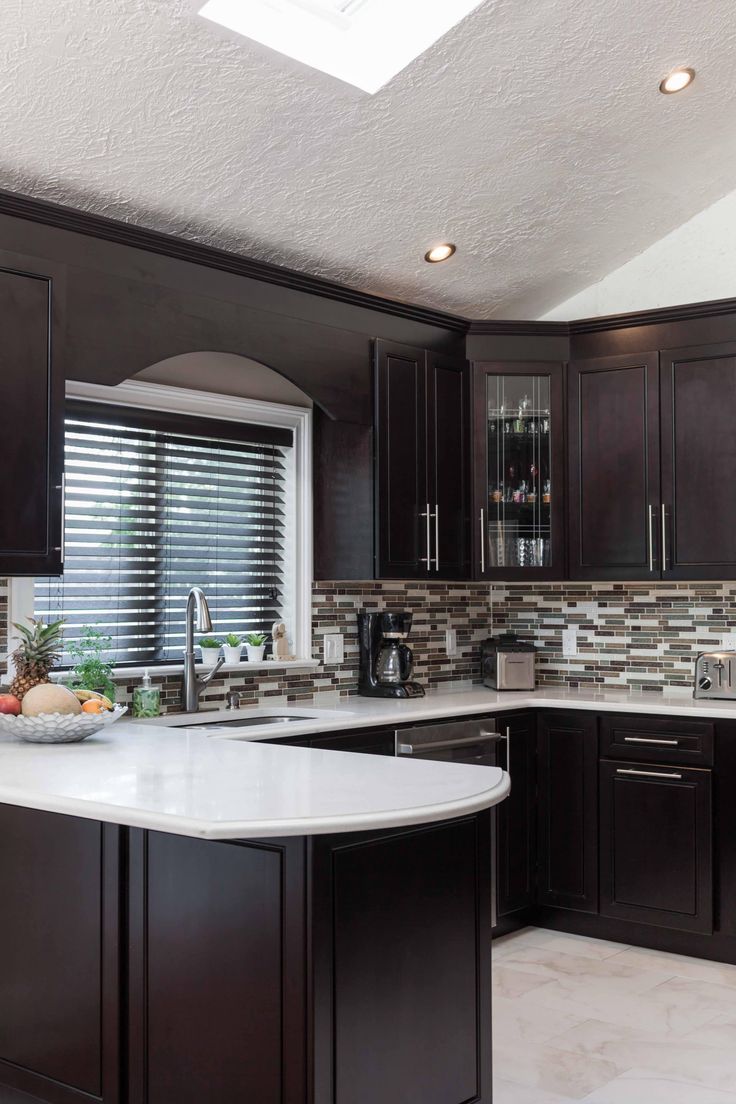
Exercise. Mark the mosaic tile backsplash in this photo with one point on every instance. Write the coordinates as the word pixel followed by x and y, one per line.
pixel 635 636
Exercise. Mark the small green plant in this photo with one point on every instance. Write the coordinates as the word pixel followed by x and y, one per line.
pixel 210 642
pixel 91 671
pixel 255 639
pixel 233 640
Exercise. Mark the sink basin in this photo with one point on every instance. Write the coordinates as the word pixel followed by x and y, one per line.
pixel 245 722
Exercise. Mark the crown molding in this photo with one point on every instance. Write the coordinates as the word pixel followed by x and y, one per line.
pixel 512 327
pixel 657 316
pixel 183 249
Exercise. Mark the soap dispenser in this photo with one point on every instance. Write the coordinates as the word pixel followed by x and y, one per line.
pixel 146 698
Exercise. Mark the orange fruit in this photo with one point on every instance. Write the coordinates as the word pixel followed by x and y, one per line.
pixel 93 706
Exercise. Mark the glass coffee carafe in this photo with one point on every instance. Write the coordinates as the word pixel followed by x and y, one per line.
pixel 394 663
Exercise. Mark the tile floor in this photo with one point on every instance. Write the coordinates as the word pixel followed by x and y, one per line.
pixel 585 1020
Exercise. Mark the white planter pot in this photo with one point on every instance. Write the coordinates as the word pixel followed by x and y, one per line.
pixel 232 654
pixel 255 655
pixel 210 656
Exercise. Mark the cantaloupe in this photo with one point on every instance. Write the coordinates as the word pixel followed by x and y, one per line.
pixel 49 698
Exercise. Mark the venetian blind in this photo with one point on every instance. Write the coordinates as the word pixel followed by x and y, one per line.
pixel 155 504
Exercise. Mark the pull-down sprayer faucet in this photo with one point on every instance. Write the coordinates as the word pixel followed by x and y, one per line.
pixel 194 684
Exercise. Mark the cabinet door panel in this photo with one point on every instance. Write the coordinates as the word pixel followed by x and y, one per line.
pixel 699 462
pixel 448 464
pixel 30 521
pixel 401 462
pixel 614 468
pixel 58 977
pixel 517 529
pixel 656 861
pixel 568 812
pixel 516 827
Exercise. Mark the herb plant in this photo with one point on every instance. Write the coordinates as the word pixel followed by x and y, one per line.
pixel 91 671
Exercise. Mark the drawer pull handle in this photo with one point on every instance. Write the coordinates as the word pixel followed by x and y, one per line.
pixel 650 740
pixel 648 774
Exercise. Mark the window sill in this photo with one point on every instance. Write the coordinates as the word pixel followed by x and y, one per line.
pixel 237 668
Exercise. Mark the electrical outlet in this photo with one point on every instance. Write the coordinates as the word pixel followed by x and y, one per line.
pixel 333 648
pixel 728 641
pixel 450 642
pixel 587 609
pixel 569 642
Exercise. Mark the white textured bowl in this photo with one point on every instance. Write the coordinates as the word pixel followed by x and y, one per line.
pixel 58 728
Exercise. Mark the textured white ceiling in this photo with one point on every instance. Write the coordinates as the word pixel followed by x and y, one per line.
pixel 532 135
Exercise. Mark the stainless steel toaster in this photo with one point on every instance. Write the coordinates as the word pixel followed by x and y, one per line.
pixel 715 675
pixel 507 663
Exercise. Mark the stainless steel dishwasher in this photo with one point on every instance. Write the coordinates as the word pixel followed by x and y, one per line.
pixel 471 741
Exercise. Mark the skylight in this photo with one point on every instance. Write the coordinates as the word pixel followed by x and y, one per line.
pixel 362 42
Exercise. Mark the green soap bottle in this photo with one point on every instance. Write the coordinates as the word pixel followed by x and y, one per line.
pixel 146 698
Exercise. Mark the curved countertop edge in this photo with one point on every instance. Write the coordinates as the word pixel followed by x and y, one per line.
pixel 260 829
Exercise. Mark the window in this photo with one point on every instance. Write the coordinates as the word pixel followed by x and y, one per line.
pixel 158 502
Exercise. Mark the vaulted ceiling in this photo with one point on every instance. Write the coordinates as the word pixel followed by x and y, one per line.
pixel 532 135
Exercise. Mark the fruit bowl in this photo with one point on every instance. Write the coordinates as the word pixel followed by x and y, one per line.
pixel 58 728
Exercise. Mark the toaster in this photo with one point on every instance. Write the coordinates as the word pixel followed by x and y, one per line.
pixel 507 663
pixel 715 675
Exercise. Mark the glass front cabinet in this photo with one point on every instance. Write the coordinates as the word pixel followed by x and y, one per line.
pixel 518 478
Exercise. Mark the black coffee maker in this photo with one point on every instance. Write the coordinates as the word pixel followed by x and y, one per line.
pixel 386 663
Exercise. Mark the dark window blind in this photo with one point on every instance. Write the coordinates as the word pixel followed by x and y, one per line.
pixel 156 504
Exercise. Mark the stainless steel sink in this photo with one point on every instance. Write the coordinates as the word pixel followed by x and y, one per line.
pixel 244 722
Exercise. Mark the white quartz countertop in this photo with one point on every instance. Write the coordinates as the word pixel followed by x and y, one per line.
pixel 190 784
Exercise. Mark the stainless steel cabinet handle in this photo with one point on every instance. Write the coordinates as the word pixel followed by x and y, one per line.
pixel 436 536
pixel 650 740
pixel 482 540
pixel 61 548
pixel 651 538
pixel 507 741
pixel 428 558
pixel 664 537
pixel 647 774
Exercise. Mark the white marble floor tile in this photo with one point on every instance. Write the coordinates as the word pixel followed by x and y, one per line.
pixel 556 1071
pixel 506 1092
pixel 556 941
pixel 721 999
pixel 583 972
pixel 698 969
pixel 641 1087
pixel 516 1023
pixel 511 983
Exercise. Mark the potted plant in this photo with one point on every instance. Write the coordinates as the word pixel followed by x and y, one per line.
pixel 210 648
pixel 91 671
pixel 233 648
pixel 255 646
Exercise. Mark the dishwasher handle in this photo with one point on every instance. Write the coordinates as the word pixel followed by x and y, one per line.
pixel 445 745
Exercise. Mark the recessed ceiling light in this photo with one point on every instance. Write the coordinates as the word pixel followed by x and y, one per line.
pixel 677 80
pixel 362 42
pixel 439 252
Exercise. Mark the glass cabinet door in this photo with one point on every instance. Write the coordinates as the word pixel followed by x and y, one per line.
pixel 519 421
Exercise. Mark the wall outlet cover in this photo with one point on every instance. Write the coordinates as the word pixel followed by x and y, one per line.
pixel 333 648
pixel 728 642
pixel 451 642
pixel 569 642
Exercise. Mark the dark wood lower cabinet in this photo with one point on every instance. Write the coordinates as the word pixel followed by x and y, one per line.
pixel 656 855
pixel 568 811
pixel 59 945
pixel 516 817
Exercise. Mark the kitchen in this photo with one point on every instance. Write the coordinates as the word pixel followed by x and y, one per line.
pixel 398 568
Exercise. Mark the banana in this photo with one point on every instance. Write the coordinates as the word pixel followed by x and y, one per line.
pixel 92 695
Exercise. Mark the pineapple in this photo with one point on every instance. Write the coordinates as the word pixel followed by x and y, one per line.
pixel 39 649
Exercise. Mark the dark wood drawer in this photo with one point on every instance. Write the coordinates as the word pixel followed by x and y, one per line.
pixel 657 739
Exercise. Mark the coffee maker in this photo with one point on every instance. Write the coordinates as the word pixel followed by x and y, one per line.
pixel 386 663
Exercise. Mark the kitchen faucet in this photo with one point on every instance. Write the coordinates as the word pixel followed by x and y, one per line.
pixel 194 684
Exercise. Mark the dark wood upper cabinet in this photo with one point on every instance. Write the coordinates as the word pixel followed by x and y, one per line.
pixel 31 303
pixel 698 501
pixel 421 458
pixel 656 851
pixel 567 810
pixel 613 475
pixel 518 470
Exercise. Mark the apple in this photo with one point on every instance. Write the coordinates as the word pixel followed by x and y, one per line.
pixel 9 704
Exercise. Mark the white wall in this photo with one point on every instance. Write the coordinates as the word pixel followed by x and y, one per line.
pixel 225 374
pixel 694 263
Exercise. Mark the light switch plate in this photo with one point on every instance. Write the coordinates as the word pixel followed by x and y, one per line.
pixel 587 609
pixel 728 642
pixel 569 642
pixel 450 642
pixel 333 648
